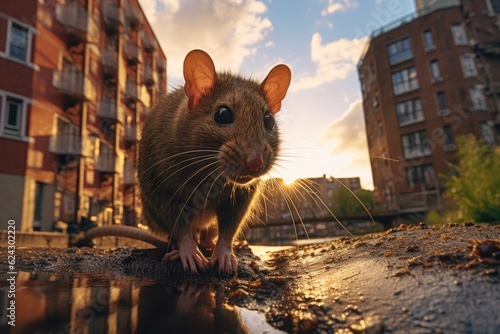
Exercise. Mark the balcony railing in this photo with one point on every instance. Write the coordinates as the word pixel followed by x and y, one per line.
pixel 74 17
pixel 110 109
pixel 128 172
pixel 133 14
pixel 419 201
pixel 67 144
pixel 131 91
pixel 113 16
pixel 149 78
pixel 132 52
pixel 107 162
pixel 130 133
pixel 109 60
pixel 148 42
pixel 160 64
pixel 75 84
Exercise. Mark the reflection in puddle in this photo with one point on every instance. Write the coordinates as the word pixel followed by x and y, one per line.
pixel 46 303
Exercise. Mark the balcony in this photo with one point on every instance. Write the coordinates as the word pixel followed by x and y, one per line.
pixel 73 17
pixel 131 91
pixel 67 144
pixel 107 163
pixel 128 172
pixel 109 59
pixel 132 53
pixel 131 133
pixel 149 77
pixel 75 84
pixel 160 64
pixel 113 17
pixel 419 201
pixel 110 109
pixel 148 42
pixel 133 14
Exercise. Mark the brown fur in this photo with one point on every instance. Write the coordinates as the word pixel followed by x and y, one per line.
pixel 192 170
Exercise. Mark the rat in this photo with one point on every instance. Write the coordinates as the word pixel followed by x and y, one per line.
pixel 203 152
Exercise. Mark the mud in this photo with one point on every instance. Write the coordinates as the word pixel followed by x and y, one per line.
pixel 411 279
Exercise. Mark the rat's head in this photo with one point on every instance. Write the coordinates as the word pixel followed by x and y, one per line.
pixel 235 116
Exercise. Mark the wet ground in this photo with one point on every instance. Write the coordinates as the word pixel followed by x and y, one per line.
pixel 407 280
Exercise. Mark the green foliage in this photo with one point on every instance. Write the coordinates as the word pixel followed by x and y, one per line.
pixel 344 202
pixel 474 183
pixel 434 218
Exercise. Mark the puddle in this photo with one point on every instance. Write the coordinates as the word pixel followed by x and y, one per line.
pixel 46 303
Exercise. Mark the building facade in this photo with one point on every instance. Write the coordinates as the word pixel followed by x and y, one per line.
pixel 78 78
pixel 423 86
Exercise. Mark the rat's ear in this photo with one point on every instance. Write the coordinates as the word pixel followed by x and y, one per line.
pixel 275 86
pixel 199 74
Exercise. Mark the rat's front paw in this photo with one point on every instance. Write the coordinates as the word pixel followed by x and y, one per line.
pixel 192 260
pixel 227 261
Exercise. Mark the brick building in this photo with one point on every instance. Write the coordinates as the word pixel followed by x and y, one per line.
pixel 77 79
pixel 307 198
pixel 423 85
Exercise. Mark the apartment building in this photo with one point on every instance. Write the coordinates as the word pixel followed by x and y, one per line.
pixel 423 85
pixel 77 79
pixel 307 198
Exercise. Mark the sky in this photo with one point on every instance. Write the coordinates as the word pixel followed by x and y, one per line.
pixel 321 119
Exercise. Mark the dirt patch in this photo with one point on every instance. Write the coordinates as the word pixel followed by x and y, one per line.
pixel 414 279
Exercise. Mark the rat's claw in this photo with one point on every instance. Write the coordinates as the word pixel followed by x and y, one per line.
pixel 227 261
pixel 170 256
pixel 193 261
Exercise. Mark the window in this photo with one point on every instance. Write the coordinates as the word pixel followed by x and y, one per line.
pixel 18 42
pixel 409 112
pixel 468 65
pixel 404 81
pixel 399 51
pixel 435 71
pixel 13 117
pixel 449 142
pixel 493 6
pixel 429 41
pixel 477 98
pixel 415 145
pixel 487 132
pixel 442 104
pixel 458 33
pixel 421 175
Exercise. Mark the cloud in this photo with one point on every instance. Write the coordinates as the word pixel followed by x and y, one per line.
pixel 229 30
pixel 348 133
pixel 334 61
pixel 335 6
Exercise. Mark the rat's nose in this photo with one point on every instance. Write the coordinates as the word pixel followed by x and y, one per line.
pixel 254 162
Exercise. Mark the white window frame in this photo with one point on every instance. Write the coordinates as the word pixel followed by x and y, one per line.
pixel 468 65
pixel 407 84
pixel 491 11
pixel 487 132
pixel 426 46
pixel 31 32
pixel 24 115
pixel 477 98
pixel 411 110
pixel 435 71
pixel 459 35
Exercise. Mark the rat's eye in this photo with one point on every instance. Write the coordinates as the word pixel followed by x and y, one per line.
pixel 223 116
pixel 269 122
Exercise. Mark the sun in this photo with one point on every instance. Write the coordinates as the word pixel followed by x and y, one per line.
pixel 289 179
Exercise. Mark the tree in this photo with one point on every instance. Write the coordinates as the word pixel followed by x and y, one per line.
pixel 474 183
pixel 344 202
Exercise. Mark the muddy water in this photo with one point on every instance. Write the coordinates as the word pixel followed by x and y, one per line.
pixel 46 303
